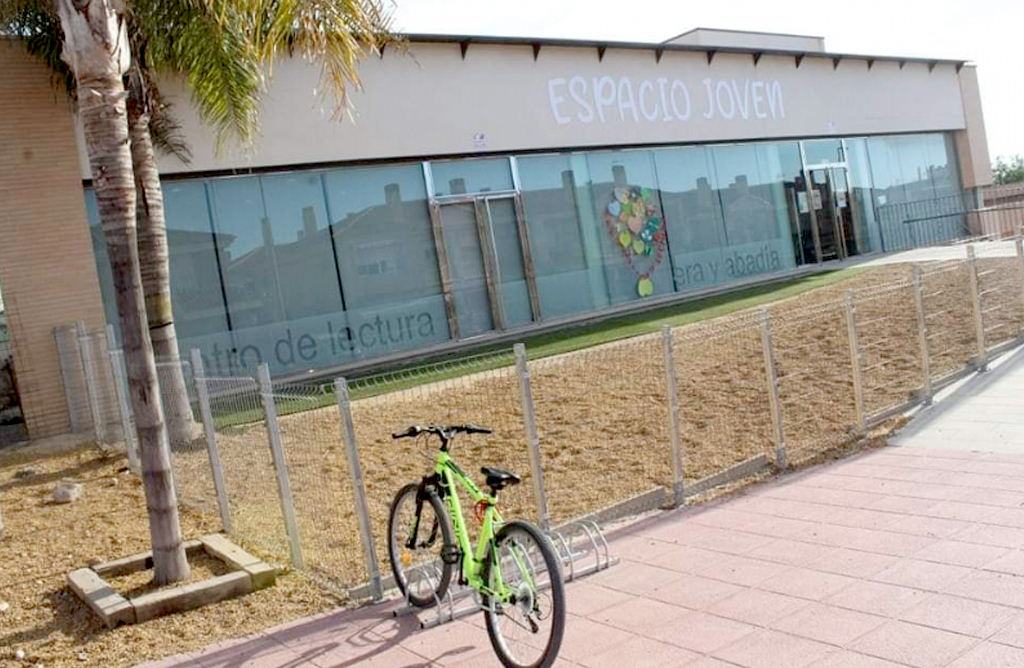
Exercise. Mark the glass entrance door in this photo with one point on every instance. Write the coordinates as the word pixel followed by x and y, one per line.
pixel 486 264
pixel 829 200
pixel 464 250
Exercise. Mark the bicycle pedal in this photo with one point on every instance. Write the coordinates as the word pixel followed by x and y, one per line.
pixel 451 554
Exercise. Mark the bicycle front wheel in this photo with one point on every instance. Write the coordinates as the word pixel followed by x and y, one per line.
pixel 526 630
pixel 418 532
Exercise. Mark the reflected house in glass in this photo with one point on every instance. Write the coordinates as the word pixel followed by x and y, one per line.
pixel 586 179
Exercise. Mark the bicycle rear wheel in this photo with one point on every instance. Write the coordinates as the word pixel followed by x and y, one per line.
pixel 525 632
pixel 419 534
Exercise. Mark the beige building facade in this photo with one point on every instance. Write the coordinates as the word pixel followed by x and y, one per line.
pixel 484 188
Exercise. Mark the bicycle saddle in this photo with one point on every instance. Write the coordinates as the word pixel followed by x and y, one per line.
pixel 499 478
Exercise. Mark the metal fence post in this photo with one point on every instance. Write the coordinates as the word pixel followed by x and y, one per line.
pixel 120 374
pixel 60 334
pixel 922 335
pixel 355 469
pixel 774 404
pixel 678 495
pixel 284 486
pixel 979 324
pixel 858 382
pixel 532 439
pixel 209 428
pixel 1019 243
pixel 85 352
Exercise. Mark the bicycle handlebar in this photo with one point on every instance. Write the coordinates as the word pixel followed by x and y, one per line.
pixel 445 433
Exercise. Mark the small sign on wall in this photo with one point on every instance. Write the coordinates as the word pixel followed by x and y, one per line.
pixel 816 199
pixel 479 140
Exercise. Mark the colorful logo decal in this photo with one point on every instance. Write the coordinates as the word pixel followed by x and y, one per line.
pixel 632 220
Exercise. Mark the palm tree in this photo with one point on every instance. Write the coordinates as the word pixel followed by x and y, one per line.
pixel 95 48
pixel 224 47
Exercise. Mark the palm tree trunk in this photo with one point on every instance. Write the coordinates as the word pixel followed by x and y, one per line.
pixel 156 282
pixel 93 46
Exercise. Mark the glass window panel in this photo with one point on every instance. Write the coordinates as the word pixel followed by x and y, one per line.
pixel 566 255
pixel 304 259
pixel 756 209
pixel 99 249
pixel 458 177
pixel 693 215
pixel 823 151
pixel 387 258
pixel 868 232
pixel 619 180
pixel 247 252
pixel 510 276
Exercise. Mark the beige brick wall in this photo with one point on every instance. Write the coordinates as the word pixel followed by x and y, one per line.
pixel 46 261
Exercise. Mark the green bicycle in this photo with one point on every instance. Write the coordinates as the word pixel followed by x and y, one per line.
pixel 513 566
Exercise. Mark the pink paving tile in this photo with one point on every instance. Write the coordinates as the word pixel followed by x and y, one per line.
pixel 806 583
pixel 990 655
pixel 584 637
pixel 641 653
pixel 926 575
pixel 960 554
pixel 789 552
pixel 905 504
pixel 1008 517
pixel 695 592
pixel 960 615
pixel 776 527
pixel 740 570
pixel 453 640
pixel 862 518
pixel 637 547
pixel 389 657
pixel 771 649
pixel 912 645
pixel 847 659
pixel 876 598
pixel 1010 562
pixel 887 542
pixel 828 624
pixel 685 559
pixel 253 653
pixel 991 534
pixel 584 598
pixel 638 614
pixel 757 607
pixel 721 516
pixel 728 541
pixel 1012 634
pixel 958 510
pixel 634 578
pixel 934 527
pixel 1000 588
pixel 853 563
pixel 700 632
pixel 356 630
pixel 679 531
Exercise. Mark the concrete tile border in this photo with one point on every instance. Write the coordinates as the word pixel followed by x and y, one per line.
pixel 248 573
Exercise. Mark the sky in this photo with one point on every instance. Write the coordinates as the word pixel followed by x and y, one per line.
pixel 987 33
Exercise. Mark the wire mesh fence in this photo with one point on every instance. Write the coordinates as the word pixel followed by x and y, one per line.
pixel 724 407
pixel 888 338
pixel 1001 297
pixel 949 320
pixel 603 425
pixel 586 430
pixel 816 392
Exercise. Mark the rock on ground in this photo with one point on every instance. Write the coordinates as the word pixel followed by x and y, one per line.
pixel 66 492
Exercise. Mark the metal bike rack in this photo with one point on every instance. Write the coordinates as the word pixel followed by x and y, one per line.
pixel 580 546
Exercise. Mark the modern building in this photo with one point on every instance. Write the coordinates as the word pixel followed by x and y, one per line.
pixel 486 187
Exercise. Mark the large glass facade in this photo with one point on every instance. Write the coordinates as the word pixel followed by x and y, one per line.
pixel 317 268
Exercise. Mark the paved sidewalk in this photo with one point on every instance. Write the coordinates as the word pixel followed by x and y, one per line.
pixel 904 556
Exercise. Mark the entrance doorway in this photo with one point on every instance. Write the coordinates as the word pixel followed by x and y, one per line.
pixel 487 269
pixel 829 192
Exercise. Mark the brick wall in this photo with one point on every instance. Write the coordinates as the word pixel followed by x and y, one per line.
pixel 46 261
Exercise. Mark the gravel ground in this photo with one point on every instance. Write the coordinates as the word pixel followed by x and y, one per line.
pixel 602 417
